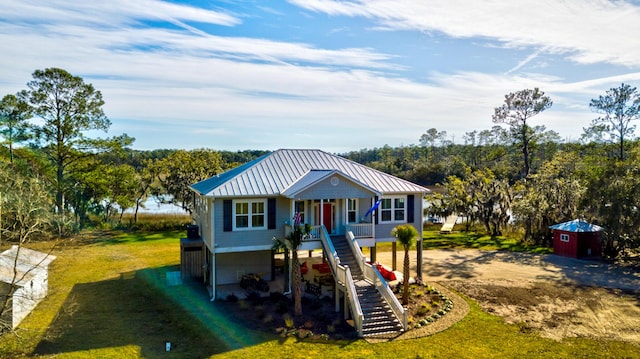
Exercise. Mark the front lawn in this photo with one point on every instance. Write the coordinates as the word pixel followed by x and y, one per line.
pixel 109 299
pixel 433 239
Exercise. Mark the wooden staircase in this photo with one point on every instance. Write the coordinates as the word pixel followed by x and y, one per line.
pixel 379 319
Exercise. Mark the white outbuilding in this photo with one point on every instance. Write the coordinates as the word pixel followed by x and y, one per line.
pixel 27 271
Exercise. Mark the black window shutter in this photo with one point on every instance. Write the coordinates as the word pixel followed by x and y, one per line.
pixel 410 208
pixel 227 213
pixel 271 213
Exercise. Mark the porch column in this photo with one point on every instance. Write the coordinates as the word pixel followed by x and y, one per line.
pixel 419 261
pixel 322 212
pixel 372 250
pixel 394 257
pixel 419 243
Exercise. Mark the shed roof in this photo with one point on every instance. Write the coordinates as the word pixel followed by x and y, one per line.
pixel 276 172
pixel 29 263
pixel 577 225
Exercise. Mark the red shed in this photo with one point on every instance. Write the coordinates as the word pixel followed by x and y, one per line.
pixel 577 239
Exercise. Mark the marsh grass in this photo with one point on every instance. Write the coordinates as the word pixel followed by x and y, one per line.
pixel 108 299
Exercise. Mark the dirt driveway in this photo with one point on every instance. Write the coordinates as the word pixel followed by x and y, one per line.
pixel 560 297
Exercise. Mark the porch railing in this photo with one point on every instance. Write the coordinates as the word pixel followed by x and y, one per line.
pixel 372 274
pixel 314 235
pixel 360 230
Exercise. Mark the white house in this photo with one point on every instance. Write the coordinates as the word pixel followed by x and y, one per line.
pixel 240 211
pixel 28 272
pixel 348 206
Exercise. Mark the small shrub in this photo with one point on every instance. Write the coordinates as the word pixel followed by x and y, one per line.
pixel 418 294
pixel 423 309
pixel 288 322
pixel 435 303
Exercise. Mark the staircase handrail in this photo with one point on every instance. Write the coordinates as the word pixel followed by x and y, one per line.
pixel 327 245
pixel 354 303
pixel 372 274
pixel 342 274
pixel 355 248
pixel 383 288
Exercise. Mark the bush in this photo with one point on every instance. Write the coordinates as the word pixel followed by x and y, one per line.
pixel 424 309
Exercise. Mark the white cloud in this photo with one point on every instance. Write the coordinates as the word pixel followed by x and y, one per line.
pixel 182 87
pixel 587 31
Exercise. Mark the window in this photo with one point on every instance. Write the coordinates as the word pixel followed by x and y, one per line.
pixel 352 210
pixel 564 237
pixel 249 214
pixel 298 207
pixel 393 209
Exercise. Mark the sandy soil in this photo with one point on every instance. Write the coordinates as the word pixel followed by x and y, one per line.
pixel 559 297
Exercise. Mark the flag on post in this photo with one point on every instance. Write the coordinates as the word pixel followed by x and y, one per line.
pixel 375 206
pixel 297 219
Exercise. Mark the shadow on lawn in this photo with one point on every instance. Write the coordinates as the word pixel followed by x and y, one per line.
pixel 140 309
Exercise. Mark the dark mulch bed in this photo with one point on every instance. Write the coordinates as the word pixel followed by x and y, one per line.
pixel 274 314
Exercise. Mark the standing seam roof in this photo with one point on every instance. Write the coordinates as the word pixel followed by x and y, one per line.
pixel 273 173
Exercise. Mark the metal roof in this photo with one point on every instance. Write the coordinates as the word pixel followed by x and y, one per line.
pixel 577 225
pixel 274 173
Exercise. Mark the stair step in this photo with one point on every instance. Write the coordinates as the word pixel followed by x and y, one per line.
pixel 373 311
pixel 381 326
pixel 379 319
pixel 381 330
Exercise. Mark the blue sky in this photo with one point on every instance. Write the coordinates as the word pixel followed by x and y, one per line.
pixel 333 75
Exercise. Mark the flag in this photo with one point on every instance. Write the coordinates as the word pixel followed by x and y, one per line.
pixel 297 219
pixel 375 206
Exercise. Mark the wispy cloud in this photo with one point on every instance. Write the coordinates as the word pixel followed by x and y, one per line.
pixel 184 84
pixel 587 31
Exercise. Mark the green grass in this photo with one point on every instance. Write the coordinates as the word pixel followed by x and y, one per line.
pixel 433 239
pixel 108 299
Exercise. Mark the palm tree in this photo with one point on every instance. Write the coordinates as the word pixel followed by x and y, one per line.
pixel 292 242
pixel 406 235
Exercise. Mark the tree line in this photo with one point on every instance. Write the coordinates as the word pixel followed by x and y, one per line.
pixel 521 178
pixel 55 178
pixel 513 176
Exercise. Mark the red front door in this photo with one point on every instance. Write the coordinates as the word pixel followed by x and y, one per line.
pixel 327 216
